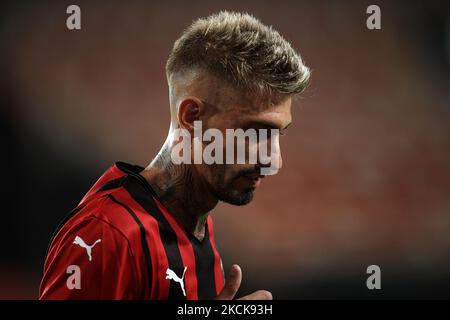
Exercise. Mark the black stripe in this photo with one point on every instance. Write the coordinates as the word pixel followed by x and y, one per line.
pixel 112 184
pixel 143 239
pixel 62 223
pixel 140 193
pixel 204 266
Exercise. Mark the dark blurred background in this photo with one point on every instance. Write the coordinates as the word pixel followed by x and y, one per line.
pixel 365 177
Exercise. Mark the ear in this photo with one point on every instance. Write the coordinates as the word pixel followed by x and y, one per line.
pixel 191 109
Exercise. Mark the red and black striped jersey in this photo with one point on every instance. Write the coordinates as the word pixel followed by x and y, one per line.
pixel 120 242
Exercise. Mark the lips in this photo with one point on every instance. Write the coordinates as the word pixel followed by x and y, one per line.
pixel 254 179
pixel 253 174
pixel 256 182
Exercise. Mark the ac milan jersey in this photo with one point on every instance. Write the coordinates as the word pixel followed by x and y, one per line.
pixel 120 242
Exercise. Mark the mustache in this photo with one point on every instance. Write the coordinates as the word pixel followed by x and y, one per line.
pixel 249 172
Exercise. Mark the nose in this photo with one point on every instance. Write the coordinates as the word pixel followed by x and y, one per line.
pixel 261 164
pixel 269 155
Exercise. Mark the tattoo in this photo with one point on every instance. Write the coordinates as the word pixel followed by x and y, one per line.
pixel 180 191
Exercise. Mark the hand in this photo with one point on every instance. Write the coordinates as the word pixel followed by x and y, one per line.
pixel 232 284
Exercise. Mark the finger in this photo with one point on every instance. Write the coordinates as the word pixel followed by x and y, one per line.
pixel 258 295
pixel 232 283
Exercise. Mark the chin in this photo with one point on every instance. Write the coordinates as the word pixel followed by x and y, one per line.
pixel 237 198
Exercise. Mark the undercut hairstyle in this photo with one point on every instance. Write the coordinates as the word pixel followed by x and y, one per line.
pixel 247 54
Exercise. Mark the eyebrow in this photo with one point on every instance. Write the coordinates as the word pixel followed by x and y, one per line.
pixel 269 124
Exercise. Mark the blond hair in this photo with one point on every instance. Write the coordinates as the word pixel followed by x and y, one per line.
pixel 238 48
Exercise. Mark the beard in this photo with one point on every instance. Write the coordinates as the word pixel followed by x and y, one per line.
pixel 225 191
pixel 235 197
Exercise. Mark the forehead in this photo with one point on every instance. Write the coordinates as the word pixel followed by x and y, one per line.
pixel 236 108
pixel 277 115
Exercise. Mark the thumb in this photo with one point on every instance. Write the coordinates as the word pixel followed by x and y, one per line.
pixel 232 283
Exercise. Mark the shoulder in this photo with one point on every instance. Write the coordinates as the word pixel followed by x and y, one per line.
pixel 101 217
pixel 98 254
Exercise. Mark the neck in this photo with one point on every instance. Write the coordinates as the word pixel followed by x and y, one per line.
pixel 181 191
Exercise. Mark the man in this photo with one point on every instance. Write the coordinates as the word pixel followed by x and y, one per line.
pixel 146 233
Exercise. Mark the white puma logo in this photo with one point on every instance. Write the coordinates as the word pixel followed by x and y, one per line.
pixel 173 276
pixel 83 244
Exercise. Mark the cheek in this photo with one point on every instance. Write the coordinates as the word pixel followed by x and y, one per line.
pixel 222 174
pixel 215 173
pixel 225 172
pixel 231 173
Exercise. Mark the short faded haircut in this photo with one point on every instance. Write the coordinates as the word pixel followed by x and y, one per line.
pixel 238 48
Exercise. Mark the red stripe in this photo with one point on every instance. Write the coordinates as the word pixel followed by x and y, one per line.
pixel 160 263
pixel 218 271
pixel 111 174
pixel 186 252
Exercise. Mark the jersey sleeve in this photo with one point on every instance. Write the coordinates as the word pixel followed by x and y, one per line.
pixel 91 260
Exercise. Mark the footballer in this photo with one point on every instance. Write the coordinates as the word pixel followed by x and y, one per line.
pixel 147 233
